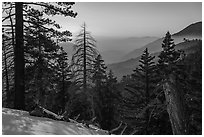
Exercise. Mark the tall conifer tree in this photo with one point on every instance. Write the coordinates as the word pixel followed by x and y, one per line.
pixel 168 68
pixel 82 63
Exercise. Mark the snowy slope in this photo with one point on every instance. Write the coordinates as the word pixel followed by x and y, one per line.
pixel 15 122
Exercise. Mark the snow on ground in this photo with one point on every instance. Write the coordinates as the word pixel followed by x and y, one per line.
pixel 16 122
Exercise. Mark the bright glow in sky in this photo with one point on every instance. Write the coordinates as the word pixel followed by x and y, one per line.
pixel 132 19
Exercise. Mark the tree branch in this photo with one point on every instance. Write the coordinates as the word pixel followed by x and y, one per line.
pixel 7 17
pixel 123 129
pixel 111 131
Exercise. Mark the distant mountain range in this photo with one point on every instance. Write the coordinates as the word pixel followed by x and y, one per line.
pixel 113 49
pixel 193 31
pixel 118 49
pixel 112 56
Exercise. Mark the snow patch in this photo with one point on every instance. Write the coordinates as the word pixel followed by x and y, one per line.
pixel 16 122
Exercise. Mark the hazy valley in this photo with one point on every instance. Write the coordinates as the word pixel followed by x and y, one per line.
pixel 193 31
pixel 122 54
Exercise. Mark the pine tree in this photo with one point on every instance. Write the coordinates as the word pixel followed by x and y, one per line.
pixel 146 75
pixel 99 79
pixel 8 59
pixel 8 37
pixel 99 72
pixel 168 56
pixel 63 77
pixel 109 102
pixel 59 8
pixel 193 88
pixel 82 60
pixel 139 93
pixel 111 80
pixel 19 63
pixel 82 63
pixel 167 64
pixel 7 69
pixel 40 54
pixel 44 55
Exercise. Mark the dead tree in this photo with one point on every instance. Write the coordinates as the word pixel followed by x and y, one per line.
pixel 175 106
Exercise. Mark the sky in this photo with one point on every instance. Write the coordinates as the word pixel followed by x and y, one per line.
pixel 132 19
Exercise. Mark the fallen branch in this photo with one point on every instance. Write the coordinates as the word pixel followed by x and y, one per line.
pixel 123 129
pixel 42 112
pixel 73 121
pixel 111 131
pixel 77 117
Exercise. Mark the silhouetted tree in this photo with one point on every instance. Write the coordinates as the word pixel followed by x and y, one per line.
pixel 193 88
pixel 109 102
pixel 168 60
pixel 19 63
pixel 146 80
pixel 21 22
pixel 99 79
pixel 82 62
pixel 138 94
pixel 63 77
pixel 7 70
pixel 99 72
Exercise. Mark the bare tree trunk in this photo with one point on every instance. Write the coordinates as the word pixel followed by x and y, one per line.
pixel 13 45
pixel 8 94
pixel 89 96
pixel 6 72
pixel 19 101
pixel 12 29
pixel 175 106
pixel 6 75
pixel 123 129
pixel 84 79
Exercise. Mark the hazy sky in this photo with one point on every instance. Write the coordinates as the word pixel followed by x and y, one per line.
pixel 133 19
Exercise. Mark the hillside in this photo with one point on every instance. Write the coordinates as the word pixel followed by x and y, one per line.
pixel 125 44
pixel 16 122
pixel 113 49
pixel 112 56
pixel 126 67
pixel 193 31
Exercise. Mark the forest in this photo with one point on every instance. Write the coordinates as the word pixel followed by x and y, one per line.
pixel 160 97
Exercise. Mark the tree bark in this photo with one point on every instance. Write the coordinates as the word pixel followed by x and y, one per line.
pixel 84 79
pixel 6 72
pixel 175 106
pixel 89 96
pixel 19 102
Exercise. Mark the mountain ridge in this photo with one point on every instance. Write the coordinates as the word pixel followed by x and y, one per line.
pixel 126 66
pixel 115 48
pixel 191 31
